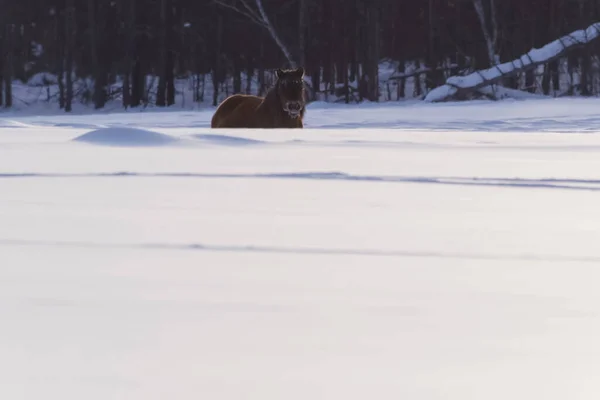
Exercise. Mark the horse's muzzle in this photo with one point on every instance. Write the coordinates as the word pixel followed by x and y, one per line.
pixel 293 108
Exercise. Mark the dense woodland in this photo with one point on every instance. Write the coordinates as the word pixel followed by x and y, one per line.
pixel 151 52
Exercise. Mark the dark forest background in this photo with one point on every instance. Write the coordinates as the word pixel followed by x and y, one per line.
pixel 165 52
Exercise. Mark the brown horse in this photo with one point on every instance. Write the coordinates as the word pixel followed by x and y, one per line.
pixel 283 106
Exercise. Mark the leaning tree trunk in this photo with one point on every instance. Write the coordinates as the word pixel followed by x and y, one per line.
pixel 459 86
pixel 267 23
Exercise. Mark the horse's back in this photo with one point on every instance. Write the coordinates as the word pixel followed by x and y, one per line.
pixel 235 111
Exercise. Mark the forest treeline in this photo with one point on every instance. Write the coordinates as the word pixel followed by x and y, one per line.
pixel 137 50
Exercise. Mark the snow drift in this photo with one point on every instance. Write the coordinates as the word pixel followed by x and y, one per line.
pixel 122 136
pixel 226 140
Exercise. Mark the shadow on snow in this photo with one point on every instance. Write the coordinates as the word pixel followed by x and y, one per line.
pixel 548 183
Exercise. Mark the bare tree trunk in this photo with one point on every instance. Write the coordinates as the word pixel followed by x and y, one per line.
pixel 302 22
pixel 585 68
pixel 196 88
pixel 161 99
pixel 237 75
pixel 170 77
pixel 8 66
pixel 249 75
pixel 138 83
pixel 401 88
pixel 555 76
pixel 2 63
pixel 338 63
pixel 70 27
pixel 261 82
pixel 584 58
pixel 60 59
pixel 417 90
pixel 217 68
pixel 126 87
pixel 346 86
pixel 354 30
pixel 373 52
pixel 434 75
pixel 171 41
pixel 546 80
pixel 99 95
pixel 201 98
pixel 490 33
pixel 315 80
pixel 530 81
pixel 130 22
pixel 344 61
pixel 571 61
pixel 326 46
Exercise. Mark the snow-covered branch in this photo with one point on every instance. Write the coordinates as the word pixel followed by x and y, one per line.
pixel 457 86
pixel 241 7
pixel 258 16
pixel 274 34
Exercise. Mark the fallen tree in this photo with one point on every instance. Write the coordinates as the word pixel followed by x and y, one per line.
pixel 457 87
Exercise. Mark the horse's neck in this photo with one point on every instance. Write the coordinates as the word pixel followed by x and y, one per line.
pixel 271 106
pixel 271 101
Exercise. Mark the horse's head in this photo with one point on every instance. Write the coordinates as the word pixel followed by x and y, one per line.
pixel 290 90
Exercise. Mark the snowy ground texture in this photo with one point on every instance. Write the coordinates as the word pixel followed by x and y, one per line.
pixel 415 251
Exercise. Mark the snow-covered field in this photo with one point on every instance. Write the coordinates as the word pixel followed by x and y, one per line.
pixel 403 251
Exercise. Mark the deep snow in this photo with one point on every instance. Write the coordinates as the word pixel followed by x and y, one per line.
pixel 415 251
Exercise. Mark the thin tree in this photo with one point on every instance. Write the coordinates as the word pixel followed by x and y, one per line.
pixel 258 15
pixel 70 27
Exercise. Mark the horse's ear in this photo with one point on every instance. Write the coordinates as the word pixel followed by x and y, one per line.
pixel 300 72
pixel 279 73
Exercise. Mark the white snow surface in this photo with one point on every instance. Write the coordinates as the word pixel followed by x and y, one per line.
pixel 415 251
